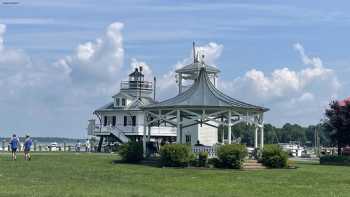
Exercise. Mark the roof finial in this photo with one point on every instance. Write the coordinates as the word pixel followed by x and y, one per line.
pixel 194 52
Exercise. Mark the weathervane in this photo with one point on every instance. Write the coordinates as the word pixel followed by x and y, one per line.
pixel 195 55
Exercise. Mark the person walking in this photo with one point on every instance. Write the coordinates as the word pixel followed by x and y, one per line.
pixel 14 143
pixel 77 146
pixel 27 145
pixel 88 145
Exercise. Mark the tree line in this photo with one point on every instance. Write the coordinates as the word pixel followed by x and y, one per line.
pixel 285 134
pixel 333 131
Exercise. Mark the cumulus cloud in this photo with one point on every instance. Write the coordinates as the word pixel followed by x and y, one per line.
pixel 2 32
pixel 211 51
pixel 48 93
pixel 288 91
pixel 100 60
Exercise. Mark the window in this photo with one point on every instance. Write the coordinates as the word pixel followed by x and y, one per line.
pixel 114 120
pixel 129 120
pixel 133 120
pixel 105 121
pixel 117 101
pixel 188 139
pixel 125 121
pixel 123 102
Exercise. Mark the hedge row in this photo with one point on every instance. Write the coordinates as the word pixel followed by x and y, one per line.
pixel 335 160
pixel 228 156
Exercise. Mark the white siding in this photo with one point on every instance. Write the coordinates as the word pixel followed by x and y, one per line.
pixel 208 135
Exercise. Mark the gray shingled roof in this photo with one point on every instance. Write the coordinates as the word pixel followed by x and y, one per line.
pixel 134 105
pixel 196 66
pixel 204 94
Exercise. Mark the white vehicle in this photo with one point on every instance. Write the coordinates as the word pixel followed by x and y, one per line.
pixel 294 148
pixel 54 146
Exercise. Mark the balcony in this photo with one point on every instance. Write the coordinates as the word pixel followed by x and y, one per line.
pixel 136 85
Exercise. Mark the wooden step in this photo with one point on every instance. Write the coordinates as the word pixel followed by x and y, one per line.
pixel 253 165
pixel 251 161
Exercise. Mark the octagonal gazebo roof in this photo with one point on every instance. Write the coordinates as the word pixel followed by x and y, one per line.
pixel 203 94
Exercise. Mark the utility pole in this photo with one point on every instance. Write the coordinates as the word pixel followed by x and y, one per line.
pixel 317 141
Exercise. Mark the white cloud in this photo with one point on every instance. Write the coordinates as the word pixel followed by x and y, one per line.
pixel 289 93
pixel 98 61
pixel 167 83
pixel 2 32
pixel 49 93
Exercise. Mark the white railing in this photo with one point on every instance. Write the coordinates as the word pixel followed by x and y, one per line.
pixel 211 150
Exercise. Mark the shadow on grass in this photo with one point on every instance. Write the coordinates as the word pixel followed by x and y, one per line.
pixel 151 162
pixel 155 163
pixel 313 163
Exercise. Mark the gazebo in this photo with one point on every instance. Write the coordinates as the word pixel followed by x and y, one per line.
pixel 203 104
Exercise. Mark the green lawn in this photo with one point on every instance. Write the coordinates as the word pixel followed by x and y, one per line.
pixel 95 175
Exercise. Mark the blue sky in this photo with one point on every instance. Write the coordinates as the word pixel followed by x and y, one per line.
pixel 49 89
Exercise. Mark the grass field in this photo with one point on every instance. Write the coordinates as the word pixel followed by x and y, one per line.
pixel 58 174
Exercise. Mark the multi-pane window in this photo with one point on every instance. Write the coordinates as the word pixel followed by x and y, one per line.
pixel 133 120
pixel 114 121
pixel 117 101
pixel 125 121
pixel 129 120
pixel 105 121
pixel 123 101
pixel 188 139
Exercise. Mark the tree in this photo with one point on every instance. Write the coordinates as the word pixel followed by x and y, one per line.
pixel 293 132
pixel 337 124
pixel 270 134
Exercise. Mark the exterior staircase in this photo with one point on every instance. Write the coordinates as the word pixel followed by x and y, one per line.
pixel 119 134
pixel 253 165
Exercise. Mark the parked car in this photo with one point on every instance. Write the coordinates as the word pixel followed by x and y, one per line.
pixel 54 146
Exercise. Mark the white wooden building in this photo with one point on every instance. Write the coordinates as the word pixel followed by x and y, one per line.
pixel 122 119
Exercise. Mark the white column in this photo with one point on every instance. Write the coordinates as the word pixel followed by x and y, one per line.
pixel 229 127
pixel 149 133
pixel 222 126
pixel 144 134
pixel 223 134
pixel 178 133
pixel 256 137
pixel 262 135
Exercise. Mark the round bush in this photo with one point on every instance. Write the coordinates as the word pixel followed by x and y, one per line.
pixel 131 152
pixel 232 155
pixel 274 157
pixel 175 155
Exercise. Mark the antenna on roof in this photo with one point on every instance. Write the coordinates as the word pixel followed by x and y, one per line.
pixel 194 52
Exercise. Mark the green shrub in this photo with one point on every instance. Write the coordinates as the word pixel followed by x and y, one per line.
pixel 231 156
pixel 202 159
pixel 131 152
pixel 214 162
pixel 274 157
pixel 335 160
pixel 176 155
